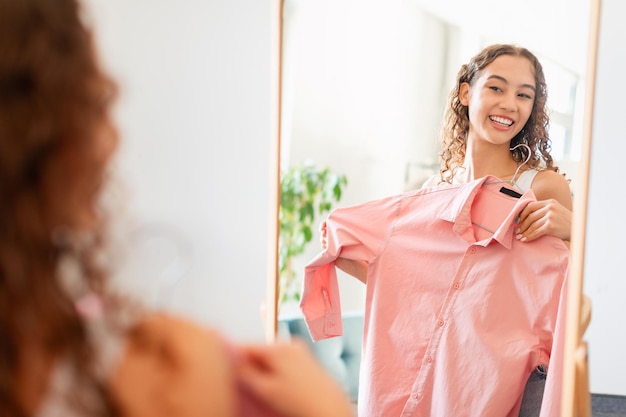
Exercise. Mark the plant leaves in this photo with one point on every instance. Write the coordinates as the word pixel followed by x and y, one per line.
pixel 303 189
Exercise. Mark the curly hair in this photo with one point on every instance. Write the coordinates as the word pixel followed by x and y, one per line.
pixel 54 100
pixel 456 118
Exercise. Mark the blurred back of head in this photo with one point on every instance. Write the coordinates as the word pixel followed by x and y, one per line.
pixel 55 141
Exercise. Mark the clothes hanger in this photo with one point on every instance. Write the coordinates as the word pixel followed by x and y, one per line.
pixel 508 191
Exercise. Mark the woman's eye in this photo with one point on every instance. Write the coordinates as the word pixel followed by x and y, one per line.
pixel 524 95
pixel 495 88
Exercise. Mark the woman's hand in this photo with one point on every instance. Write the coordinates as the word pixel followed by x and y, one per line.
pixel 323 235
pixel 357 269
pixel 288 379
pixel 545 217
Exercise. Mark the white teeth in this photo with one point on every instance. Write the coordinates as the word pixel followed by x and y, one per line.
pixel 501 120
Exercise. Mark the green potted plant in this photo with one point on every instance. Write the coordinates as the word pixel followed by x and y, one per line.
pixel 306 192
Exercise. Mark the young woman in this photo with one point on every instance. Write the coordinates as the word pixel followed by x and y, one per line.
pixel 496 124
pixel 68 347
pixel 459 303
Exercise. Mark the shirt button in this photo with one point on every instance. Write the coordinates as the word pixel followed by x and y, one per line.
pixel 429 359
pixel 440 323
pixel 416 396
pixel 331 324
pixel 472 250
pixel 456 286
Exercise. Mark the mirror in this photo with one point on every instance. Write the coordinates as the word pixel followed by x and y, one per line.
pixel 364 85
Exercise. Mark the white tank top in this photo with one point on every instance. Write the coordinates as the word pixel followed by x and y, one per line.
pixel 525 179
pixel 107 332
pixel 523 182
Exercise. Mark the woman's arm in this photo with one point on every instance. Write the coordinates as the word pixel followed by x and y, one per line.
pixel 357 269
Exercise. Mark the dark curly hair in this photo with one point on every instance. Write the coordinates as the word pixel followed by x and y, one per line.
pixel 54 103
pixel 456 119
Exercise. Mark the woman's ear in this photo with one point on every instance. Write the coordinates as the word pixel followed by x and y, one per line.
pixel 464 93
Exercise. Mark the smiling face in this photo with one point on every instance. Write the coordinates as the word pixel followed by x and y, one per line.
pixel 499 100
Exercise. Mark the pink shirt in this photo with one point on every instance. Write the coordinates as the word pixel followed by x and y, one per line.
pixel 458 312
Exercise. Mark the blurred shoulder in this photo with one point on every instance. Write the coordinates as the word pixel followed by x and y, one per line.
pixel 173 366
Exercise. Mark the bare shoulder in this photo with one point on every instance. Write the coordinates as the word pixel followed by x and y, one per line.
pixel 552 185
pixel 173 333
pixel 172 364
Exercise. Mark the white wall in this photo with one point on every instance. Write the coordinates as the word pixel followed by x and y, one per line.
pixel 355 101
pixel 605 275
pixel 195 117
pixel 352 83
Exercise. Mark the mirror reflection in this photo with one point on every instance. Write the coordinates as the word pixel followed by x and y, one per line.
pixel 365 86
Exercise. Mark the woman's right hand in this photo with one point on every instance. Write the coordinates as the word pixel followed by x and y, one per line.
pixel 286 377
pixel 323 235
pixel 357 269
pixel 545 217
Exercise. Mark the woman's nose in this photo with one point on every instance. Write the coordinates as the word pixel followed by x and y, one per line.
pixel 509 102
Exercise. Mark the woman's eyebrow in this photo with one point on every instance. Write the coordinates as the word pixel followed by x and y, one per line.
pixel 504 80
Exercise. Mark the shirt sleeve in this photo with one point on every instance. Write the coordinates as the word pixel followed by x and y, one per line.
pixel 357 233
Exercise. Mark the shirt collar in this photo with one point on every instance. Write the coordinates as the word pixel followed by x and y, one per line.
pixel 458 211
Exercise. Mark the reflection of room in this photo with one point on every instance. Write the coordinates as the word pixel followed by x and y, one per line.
pixel 365 84
pixel 380 92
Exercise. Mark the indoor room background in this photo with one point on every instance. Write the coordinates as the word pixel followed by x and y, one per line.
pixel 196 115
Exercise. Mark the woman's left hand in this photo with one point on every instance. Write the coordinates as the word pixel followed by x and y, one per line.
pixel 545 217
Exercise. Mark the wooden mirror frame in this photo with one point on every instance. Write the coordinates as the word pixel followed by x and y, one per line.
pixel 270 308
pixel 576 401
